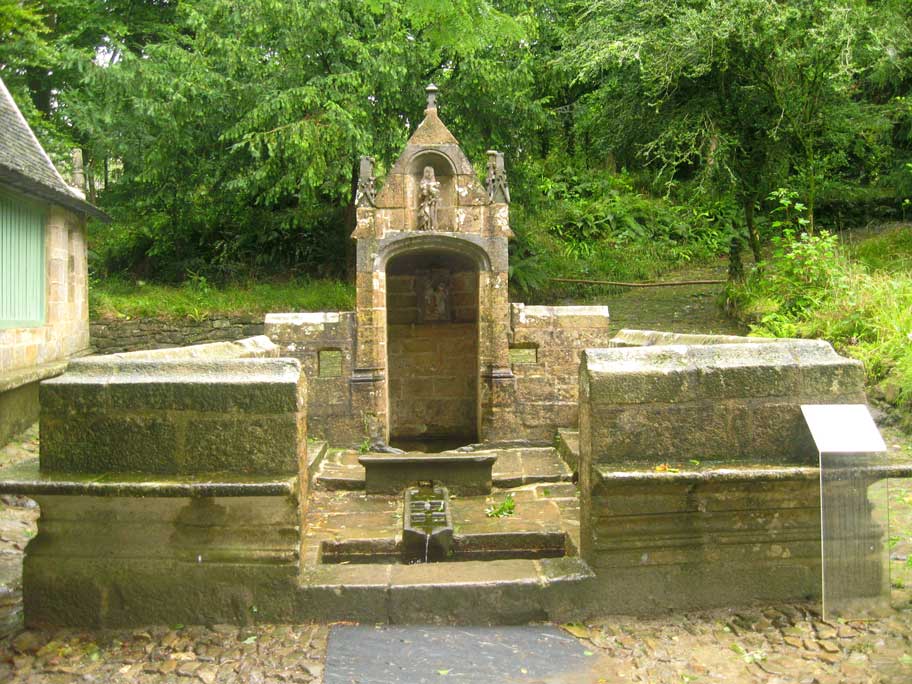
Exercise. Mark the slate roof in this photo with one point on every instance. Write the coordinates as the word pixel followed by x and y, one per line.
pixel 26 167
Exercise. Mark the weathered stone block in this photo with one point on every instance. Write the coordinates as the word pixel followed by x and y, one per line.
pixel 182 415
pixel 712 401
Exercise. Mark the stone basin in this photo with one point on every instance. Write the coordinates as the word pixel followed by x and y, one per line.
pixel 466 474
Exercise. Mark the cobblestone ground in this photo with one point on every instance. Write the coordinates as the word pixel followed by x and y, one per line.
pixel 772 644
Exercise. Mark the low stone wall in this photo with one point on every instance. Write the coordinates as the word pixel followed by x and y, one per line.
pixel 728 401
pixel 170 488
pixel 629 337
pixel 545 341
pixel 113 335
pixel 207 408
pixel 545 347
pixel 698 476
pixel 324 344
pixel 691 540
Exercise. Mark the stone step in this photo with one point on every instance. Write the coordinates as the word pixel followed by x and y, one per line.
pixel 469 593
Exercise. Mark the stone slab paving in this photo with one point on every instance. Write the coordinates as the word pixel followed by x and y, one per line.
pixel 422 655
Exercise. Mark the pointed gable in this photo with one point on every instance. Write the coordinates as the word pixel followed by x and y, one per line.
pixel 432 131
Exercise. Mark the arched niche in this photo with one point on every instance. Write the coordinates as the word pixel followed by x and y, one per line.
pixel 432 303
pixel 445 174
pixel 466 246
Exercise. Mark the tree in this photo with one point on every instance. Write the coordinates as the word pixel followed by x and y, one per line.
pixel 237 128
pixel 737 96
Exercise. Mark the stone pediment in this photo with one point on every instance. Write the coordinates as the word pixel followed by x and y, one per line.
pixel 431 187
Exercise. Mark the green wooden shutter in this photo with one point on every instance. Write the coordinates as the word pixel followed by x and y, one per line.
pixel 21 263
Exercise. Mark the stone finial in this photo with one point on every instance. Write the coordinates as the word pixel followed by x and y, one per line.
pixel 78 169
pixel 366 193
pixel 496 181
pixel 431 91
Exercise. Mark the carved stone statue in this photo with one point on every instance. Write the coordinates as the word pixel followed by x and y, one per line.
pixel 428 199
pixel 436 299
pixel 498 190
pixel 365 194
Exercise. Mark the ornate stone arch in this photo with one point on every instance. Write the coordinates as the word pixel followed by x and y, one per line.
pixel 421 242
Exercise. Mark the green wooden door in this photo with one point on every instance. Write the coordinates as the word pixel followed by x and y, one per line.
pixel 22 263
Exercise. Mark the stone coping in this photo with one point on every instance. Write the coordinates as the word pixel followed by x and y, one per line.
pixel 677 358
pixel 731 472
pixel 258 346
pixel 631 337
pixel 26 478
pixel 116 369
pixel 442 458
pixel 10 380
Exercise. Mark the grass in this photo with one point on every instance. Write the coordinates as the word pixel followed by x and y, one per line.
pixel 889 250
pixel 859 297
pixel 198 300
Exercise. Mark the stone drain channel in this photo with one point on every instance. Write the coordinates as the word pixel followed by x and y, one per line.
pixel 362 553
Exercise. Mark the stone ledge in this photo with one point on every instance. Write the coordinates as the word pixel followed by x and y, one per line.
pixel 537 316
pixel 26 479
pixel 739 472
pixel 629 337
pixel 10 380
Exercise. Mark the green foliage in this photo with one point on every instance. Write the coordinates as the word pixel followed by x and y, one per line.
pixel 197 298
pixel 743 96
pixel 812 288
pixel 577 222
pixel 889 250
pixel 222 135
pixel 503 509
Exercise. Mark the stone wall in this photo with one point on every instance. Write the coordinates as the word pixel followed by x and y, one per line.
pixel 729 401
pixel 330 337
pixel 545 347
pixel 433 365
pixel 647 338
pixel 111 335
pixel 200 409
pixel 438 375
pixel 698 476
pixel 691 540
pixel 197 516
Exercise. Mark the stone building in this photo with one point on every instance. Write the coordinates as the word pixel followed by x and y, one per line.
pixel 44 316
pixel 435 351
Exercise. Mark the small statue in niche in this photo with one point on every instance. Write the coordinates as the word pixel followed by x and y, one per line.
pixel 429 198
pixel 436 298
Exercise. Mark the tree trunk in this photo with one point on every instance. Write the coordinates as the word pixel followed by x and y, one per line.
pixel 753 236
pixel 735 266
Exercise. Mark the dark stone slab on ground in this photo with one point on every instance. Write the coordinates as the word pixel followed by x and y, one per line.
pixel 417 654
